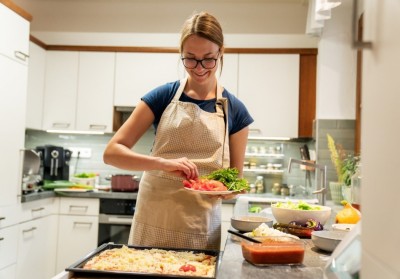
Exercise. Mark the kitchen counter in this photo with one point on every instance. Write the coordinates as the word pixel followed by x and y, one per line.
pixel 234 266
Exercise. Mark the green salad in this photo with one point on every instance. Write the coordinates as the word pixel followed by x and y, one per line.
pixel 301 205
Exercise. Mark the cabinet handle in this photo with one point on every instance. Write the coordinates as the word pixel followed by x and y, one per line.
pixel 89 224
pixel 97 127
pixel 78 207
pixel 60 125
pixel 29 230
pixel 37 209
pixel 20 55
pixel 2 218
pixel 356 43
pixel 1 238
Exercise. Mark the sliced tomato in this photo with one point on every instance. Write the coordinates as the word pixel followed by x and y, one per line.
pixel 187 267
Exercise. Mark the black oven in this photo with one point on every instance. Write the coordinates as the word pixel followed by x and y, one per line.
pixel 115 220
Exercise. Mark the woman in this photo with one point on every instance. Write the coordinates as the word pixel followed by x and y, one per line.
pixel 192 139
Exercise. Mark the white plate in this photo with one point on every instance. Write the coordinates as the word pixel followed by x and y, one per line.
pixel 342 227
pixel 210 193
pixel 72 190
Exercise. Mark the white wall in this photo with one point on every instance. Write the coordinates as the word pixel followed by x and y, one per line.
pixel 336 67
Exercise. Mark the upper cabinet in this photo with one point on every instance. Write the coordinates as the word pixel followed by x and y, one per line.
pixel 14 38
pixel 79 91
pixel 14 34
pixel 36 75
pixel 138 73
pixel 95 91
pixel 268 84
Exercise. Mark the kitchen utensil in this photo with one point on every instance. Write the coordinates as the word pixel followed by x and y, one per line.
pixel 244 236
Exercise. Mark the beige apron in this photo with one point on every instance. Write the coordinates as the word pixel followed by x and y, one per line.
pixel 166 214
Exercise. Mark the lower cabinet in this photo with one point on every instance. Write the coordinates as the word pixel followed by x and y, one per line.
pixel 9 272
pixel 226 214
pixel 77 230
pixel 36 248
pixel 8 252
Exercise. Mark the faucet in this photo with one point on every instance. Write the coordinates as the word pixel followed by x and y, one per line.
pixel 320 189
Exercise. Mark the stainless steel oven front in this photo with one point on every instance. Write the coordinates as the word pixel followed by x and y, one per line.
pixel 115 220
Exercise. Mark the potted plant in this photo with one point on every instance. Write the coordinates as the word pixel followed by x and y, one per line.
pixel 345 167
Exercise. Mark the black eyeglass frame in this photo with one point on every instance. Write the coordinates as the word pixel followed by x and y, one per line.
pixel 200 61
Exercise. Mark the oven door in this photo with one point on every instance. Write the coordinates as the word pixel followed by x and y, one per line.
pixel 114 228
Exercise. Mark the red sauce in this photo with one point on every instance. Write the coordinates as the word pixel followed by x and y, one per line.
pixel 273 252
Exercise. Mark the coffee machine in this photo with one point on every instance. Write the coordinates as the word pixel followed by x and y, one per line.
pixel 54 162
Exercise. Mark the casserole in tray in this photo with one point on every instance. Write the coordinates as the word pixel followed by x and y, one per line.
pixel 108 248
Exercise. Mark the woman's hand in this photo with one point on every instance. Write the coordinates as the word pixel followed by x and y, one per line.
pixel 181 167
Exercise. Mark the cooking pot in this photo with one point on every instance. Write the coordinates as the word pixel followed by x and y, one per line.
pixel 124 183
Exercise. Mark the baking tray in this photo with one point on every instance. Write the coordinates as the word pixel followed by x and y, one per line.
pixel 77 267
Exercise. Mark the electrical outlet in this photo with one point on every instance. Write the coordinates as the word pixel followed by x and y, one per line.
pixel 83 152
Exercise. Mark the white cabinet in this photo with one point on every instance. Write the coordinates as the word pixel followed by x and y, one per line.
pixel 60 94
pixel 14 35
pixel 36 75
pixel 78 230
pixel 138 73
pixel 37 247
pixel 79 91
pixel 14 38
pixel 268 84
pixel 229 74
pixel 95 91
pixel 226 214
pixel 8 251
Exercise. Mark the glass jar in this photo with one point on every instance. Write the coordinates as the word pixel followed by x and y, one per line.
pixel 355 196
pixel 259 184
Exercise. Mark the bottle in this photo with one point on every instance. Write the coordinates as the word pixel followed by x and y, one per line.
pixel 355 188
pixel 252 188
pixel 259 184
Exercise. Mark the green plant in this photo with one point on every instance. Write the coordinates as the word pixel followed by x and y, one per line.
pixel 337 156
pixel 349 168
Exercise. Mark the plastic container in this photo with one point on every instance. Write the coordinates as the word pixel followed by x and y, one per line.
pixel 279 250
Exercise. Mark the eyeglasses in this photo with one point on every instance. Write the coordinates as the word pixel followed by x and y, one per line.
pixel 206 63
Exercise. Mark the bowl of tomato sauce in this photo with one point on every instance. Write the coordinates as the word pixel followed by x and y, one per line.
pixel 279 250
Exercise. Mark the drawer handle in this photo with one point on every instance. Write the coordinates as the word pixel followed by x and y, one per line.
pixel 78 207
pixel 1 238
pixel 29 230
pixel 89 224
pixel 2 218
pixel 20 55
pixel 37 209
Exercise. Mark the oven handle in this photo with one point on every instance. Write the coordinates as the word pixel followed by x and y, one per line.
pixel 115 219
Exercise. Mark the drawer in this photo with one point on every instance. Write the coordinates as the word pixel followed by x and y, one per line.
pixel 9 215
pixel 8 246
pixel 77 206
pixel 37 209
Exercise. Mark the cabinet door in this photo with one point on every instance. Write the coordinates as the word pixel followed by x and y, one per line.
pixel 14 35
pixel 230 71
pixel 95 91
pixel 138 73
pixel 77 236
pixel 36 74
pixel 9 272
pixel 37 248
pixel 60 94
pixel 269 87
pixel 8 244
pixel 13 79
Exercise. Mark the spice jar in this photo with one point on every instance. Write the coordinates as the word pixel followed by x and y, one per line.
pixel 285 191
pixel 259 184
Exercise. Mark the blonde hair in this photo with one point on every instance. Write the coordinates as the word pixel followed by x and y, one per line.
pixel 206 26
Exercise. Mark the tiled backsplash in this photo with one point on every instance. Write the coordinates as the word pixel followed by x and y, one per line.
pixel 341 130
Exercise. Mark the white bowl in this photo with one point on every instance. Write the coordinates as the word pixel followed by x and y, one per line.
pixel 327 240
pixel 342 227
pixel 249 223
pixel 286 215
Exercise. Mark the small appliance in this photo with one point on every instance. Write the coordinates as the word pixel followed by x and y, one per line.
pixel 30 171
pixel 54 162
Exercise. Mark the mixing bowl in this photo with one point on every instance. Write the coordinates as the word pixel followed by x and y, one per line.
pixel 249 223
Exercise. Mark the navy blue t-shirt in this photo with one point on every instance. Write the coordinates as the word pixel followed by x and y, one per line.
pixel 159 98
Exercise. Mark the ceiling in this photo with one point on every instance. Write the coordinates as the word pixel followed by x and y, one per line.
pixel 165 16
